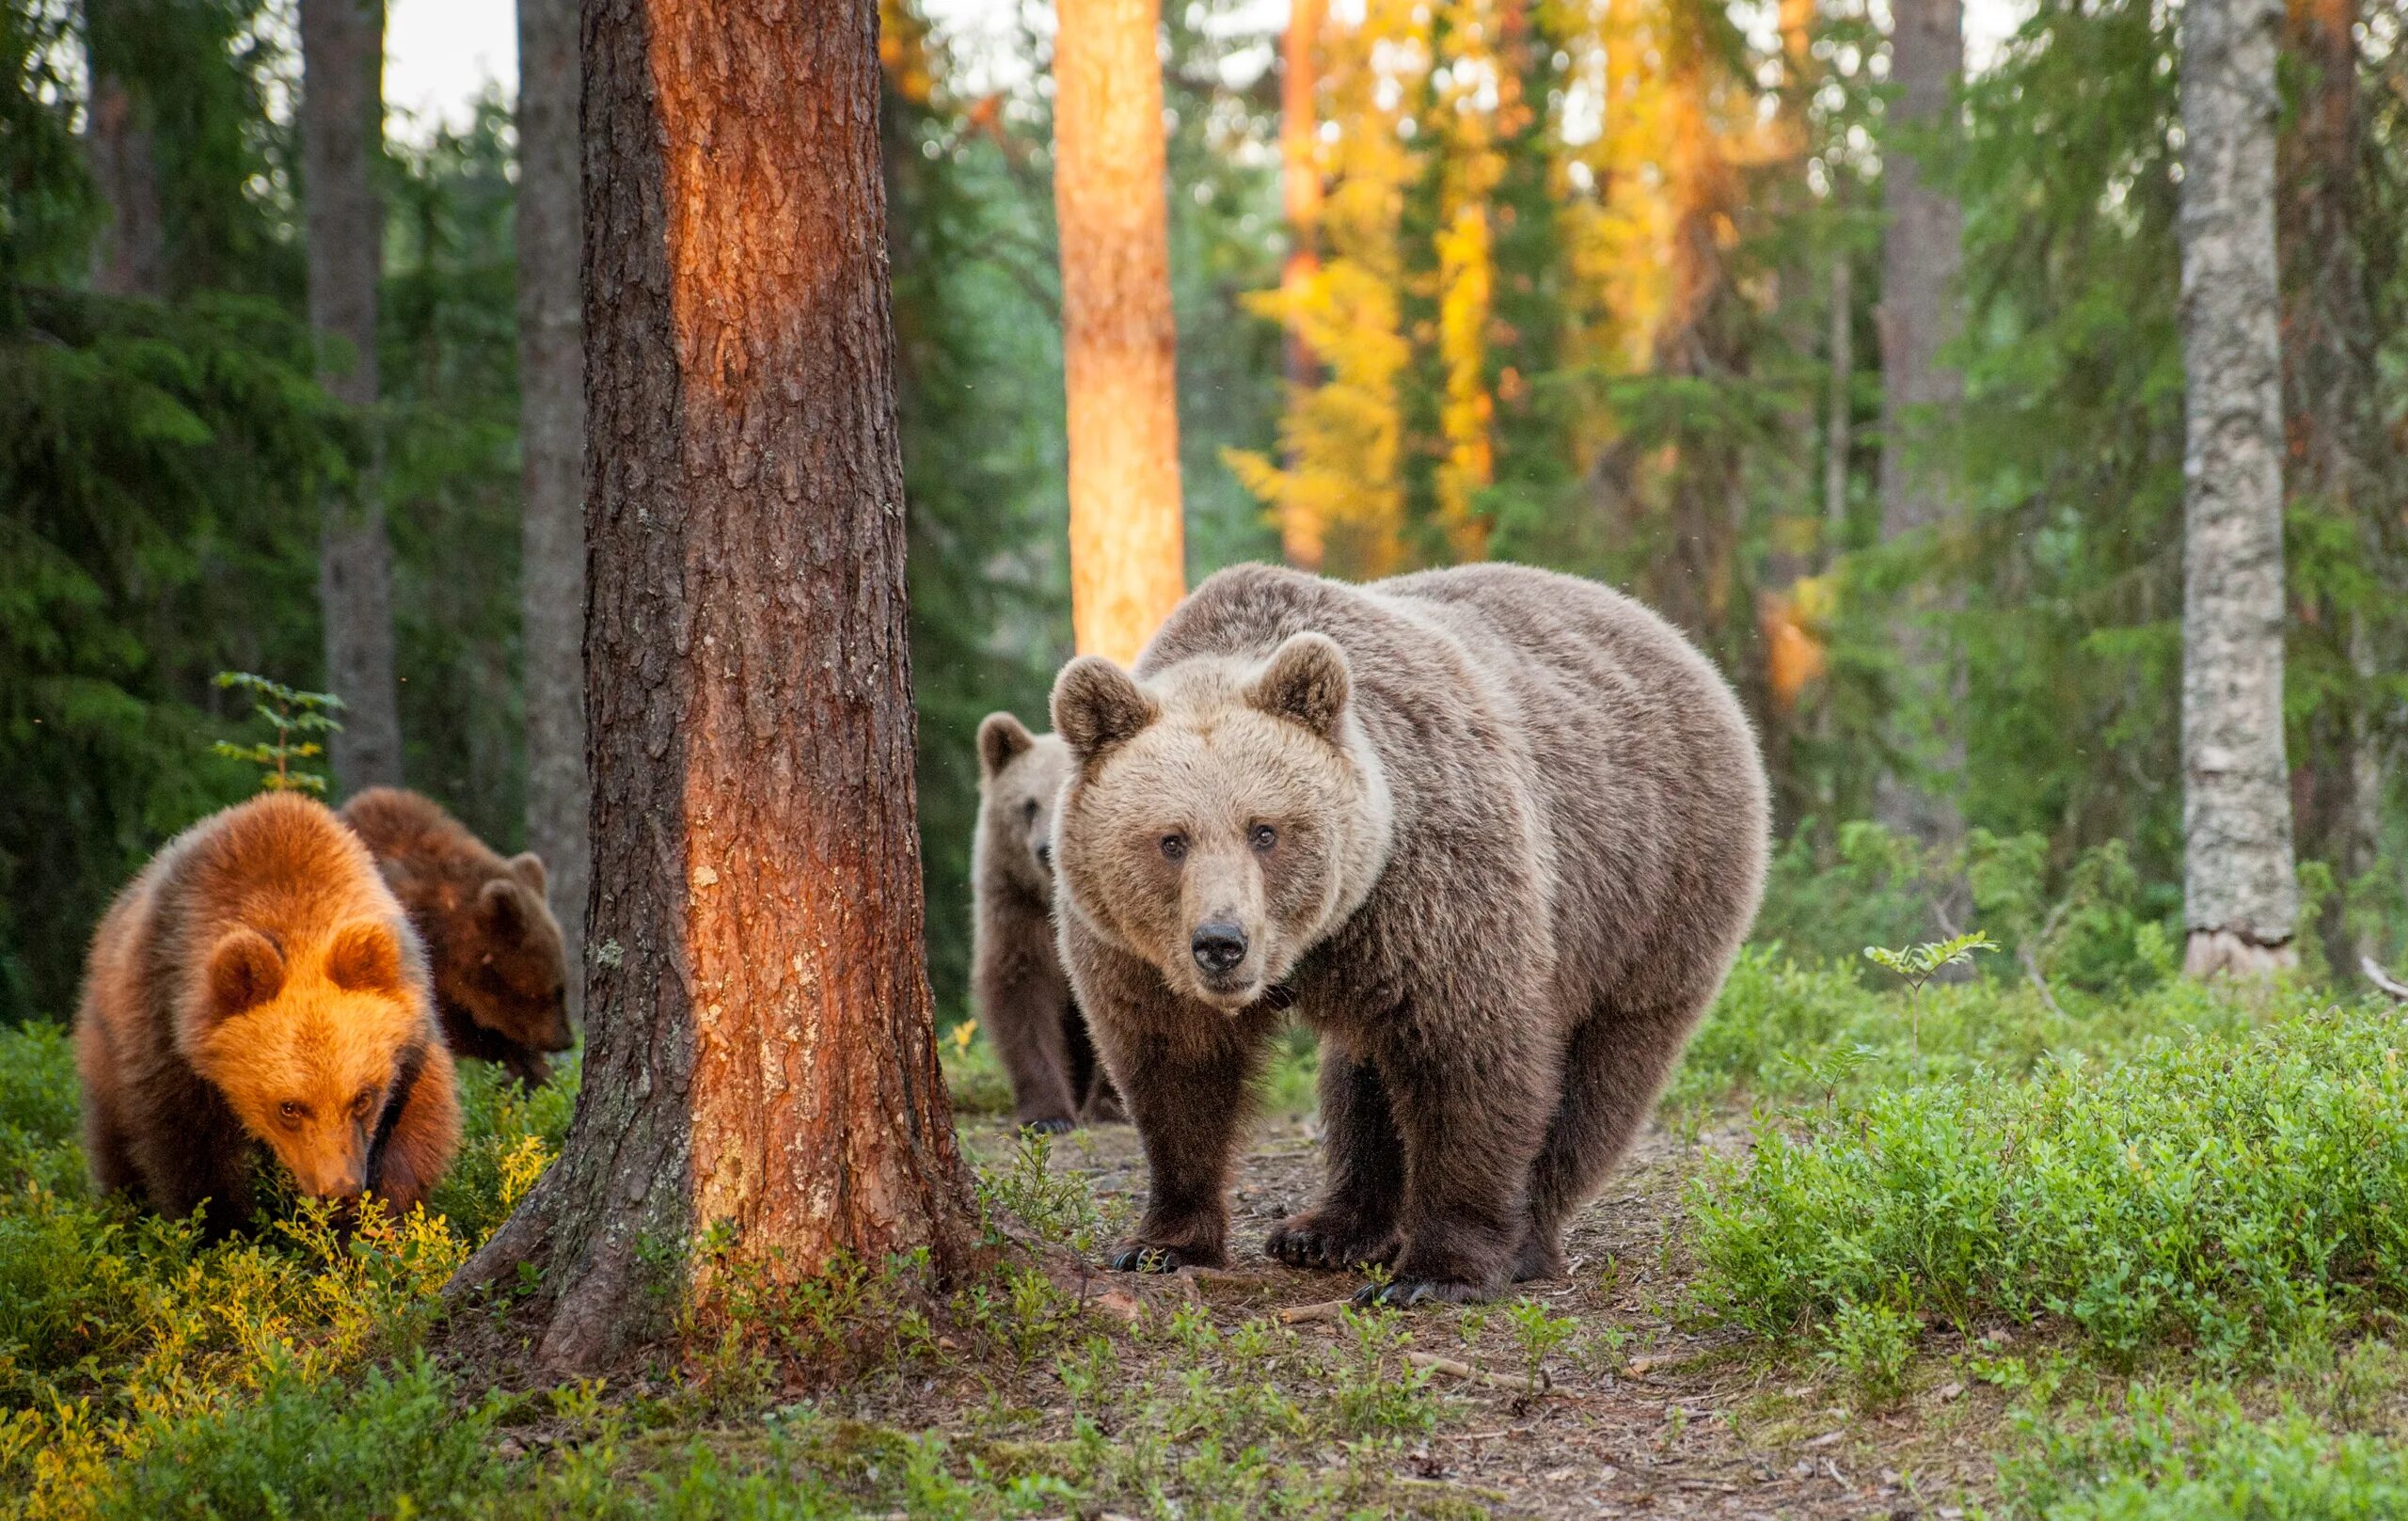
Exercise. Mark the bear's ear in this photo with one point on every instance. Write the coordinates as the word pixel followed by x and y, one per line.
pixel 503 910
pixel 365 957
pixel 244 971
pixel 1306 682
pixel 529 867
pixel 1098 705
pixel 1000 736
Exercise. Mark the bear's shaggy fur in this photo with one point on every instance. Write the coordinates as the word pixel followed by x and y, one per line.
pixel 500 970
pixel 1017 987
pixel 1496 833
pixel 258 984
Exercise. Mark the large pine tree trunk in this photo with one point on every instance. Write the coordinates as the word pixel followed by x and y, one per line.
pixel 761 1054
pixel 2241 901
pixel 1301 533
pixel 1921 258
pixel 1119 344
pixel 130 258
pixel 551 432
pixel 343 115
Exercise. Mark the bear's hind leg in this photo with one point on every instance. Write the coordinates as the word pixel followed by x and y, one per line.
pixel 1614 1066
pixel 1354 1223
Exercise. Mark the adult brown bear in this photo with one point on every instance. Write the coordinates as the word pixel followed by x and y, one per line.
pixel 1496 833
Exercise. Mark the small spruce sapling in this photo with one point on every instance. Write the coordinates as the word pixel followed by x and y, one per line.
pixel 290 713
pixel 1916 965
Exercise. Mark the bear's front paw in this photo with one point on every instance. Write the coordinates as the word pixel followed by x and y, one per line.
pixel 1403 1293
pixel 1135 1257
pixel 1050 1125
pixel 1313 1240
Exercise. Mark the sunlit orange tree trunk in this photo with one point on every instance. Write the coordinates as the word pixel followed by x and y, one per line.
pixel 1300 197
pixel 761 1064
pixel 1119 344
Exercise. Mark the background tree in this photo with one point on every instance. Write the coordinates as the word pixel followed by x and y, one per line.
pixel 1128 556
pixel 1300 197
pixel 762 1063
pixel 130 258
pixel 551 444
pixel 1922 262
pixel 343 115
pixel 2241 900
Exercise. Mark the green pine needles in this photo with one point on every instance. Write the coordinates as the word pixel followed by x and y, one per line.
pixel 290 713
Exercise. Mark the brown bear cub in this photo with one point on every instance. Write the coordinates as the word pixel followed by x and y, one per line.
pixel 258 986
pixel 1495 833
pixel 1017 987
pixel 500 970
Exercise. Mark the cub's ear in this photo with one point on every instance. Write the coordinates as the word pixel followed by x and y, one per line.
pixel 529 867
pixel 365 957
pixel 1306 682
pixel 1098 705
pixel 244 971
pixel 1000 736
pixel 503 910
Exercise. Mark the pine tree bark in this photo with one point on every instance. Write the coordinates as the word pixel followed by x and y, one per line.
pixel 551 441
pixel 343 115
pixel 1922 261
pixel 1301 533
pixel 761 1055
pixel 1119 343
pixel 2240 899
pixel 131 257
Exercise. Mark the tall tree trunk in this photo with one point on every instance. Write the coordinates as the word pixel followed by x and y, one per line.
pixel 342 117
pixel 1839 424
pixel 1300 532
pixel 2241 900
pixel 551 433
pixel 2332 424
pixel 1119 344
pixel 131 257
pixel 762 1059
pixel 1921 257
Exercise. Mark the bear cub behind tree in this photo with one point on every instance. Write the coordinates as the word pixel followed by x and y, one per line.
pixel 258 986
pixel 500 981
pixel 1496 834
pixel 1017 988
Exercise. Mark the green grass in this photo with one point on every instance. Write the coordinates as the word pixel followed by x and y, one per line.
pixel 2222 1189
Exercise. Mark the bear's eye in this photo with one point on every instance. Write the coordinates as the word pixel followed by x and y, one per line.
pixel 1174 847
pixel 291 1112
pixel 1263 837
pixel 366 1102
pixel 1028 811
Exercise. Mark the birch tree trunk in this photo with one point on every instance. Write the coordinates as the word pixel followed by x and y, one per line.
pixel 551 435
pixel 761 1058
pixel 1119 344
pixel 343 115
pixel 1921 258
pixel 2240 899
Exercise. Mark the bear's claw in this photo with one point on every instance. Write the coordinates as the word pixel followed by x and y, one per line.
pixel 1403 1293
pixel 1050 1127
pixel 1136 1258
pixel 1305 1242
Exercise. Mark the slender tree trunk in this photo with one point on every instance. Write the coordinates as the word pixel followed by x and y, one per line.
pixel 1840 422
pixel 343 115
pixel 762 1060
pixel 131 257
pixel 551 441
pixel 2240 899
pixel 1300 532
pixel 1922 257
pixel 1119 345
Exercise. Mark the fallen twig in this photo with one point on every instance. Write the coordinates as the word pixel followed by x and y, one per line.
pixel 1308 1314
pixel 2383 980
pixel 1436 1364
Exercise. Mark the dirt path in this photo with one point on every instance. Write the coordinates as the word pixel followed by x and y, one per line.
pixel 1641 1417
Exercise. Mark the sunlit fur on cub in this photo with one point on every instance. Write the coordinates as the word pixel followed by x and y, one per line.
pixel 494 949
pixel 258 986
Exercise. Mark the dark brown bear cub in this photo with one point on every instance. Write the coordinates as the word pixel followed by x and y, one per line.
pixel 1496 834
pixel 1017 987
pixel 500 970
pixel 258 986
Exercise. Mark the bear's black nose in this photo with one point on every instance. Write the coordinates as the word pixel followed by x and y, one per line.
pixel 1219 945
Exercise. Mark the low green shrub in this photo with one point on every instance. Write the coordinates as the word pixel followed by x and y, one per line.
pixel 2195 1456
pixel 2216 1186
